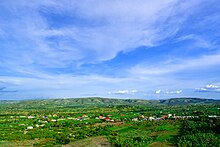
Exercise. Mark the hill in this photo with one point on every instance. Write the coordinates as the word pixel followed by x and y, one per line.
pixel 188 101
pixel 97 101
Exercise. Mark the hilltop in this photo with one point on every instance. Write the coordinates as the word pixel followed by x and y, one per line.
pixel 188 101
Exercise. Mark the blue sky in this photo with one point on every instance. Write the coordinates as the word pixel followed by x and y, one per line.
pixel 121 49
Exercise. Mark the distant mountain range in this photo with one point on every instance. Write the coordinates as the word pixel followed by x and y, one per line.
pixel 97 101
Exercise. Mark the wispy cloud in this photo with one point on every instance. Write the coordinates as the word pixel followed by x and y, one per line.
pixel 168 92
pixel 55 48
pixel 176 66
pixel 197 42
pixel 2 90
pixel 87 34
pixel 174 92
pixel 124 92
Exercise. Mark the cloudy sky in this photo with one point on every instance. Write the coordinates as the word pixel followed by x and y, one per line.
pixel 119 48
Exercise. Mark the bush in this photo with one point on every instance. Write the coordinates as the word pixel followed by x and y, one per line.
pixel 62 138
pixel 199 140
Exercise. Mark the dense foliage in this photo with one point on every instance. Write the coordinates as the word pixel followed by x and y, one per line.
pixel 203 132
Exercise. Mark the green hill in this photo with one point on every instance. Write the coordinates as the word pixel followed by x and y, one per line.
pixel 97 101
pixel 188 101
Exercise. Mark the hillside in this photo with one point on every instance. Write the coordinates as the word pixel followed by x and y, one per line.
pixel 86 102
pixel 188 101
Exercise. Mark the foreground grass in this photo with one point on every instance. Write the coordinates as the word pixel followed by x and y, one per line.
pixel 99 141
pixel 27 143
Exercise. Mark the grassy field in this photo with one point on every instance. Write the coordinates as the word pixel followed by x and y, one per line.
pixel 99 141
pixel 25 124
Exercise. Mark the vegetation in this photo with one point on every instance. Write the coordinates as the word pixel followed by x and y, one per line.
pixel 202 132
pixel 110 122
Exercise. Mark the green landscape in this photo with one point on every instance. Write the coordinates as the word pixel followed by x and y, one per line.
pixel 93 122
pixel 110 73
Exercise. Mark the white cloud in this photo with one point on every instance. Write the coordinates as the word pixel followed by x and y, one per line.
pixel 209 88
pixel 197 41
pixel 134 91
pixel 115 26
pixel 112 27
pixel 172 66
pixel 123 92
pixel 174 92
pixel 59 85
pixel 168 92
pixel 158 91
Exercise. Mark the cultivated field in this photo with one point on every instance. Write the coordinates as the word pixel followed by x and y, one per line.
pixel 94 122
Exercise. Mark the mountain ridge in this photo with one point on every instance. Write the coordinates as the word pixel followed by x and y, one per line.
pixel 98 101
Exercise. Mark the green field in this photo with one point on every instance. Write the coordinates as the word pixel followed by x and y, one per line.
pixel 110 122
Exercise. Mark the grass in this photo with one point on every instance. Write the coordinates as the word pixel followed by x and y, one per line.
pixel 26 143
pixel 160 144
pixel 165 135
pixel 99 141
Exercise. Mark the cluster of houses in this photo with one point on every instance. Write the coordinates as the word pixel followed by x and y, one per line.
pixel 52 119
pixel 107 118
pixel 169 116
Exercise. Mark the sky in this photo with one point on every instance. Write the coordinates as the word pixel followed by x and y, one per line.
pixel 117 49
